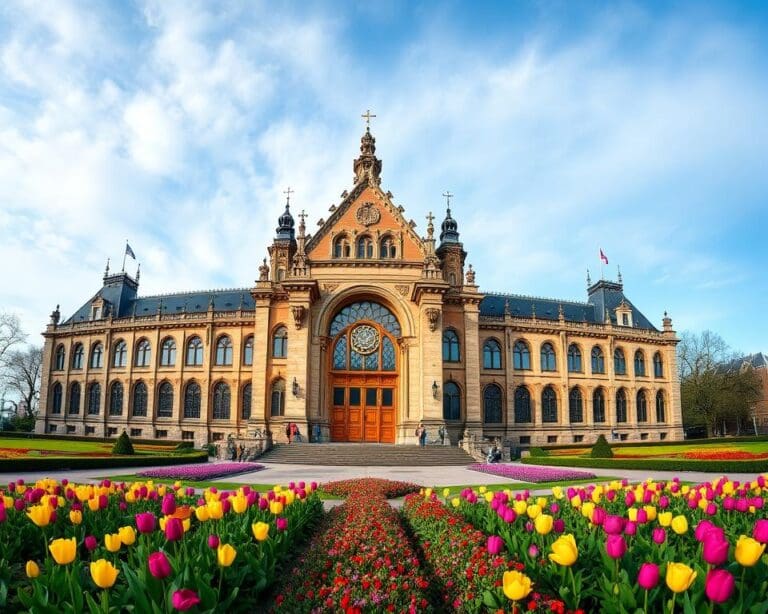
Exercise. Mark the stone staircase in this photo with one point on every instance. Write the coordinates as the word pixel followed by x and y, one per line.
pixel 365 455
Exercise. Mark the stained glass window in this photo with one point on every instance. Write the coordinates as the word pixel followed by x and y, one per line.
pixel 371 362
pixel 492 404
pixel 387 355
pixel 365 310
pixel 355 361
pixel 340 353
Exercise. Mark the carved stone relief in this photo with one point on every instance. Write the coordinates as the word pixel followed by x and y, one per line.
pixel 433 316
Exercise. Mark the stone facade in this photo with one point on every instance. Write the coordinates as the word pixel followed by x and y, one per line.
pixel 359 333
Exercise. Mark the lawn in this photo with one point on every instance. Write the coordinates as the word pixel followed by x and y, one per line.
pixel 755 449
pixel 17 448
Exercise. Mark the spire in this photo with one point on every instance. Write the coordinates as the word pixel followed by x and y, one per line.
pixel 285 222
pixel 367 166
pixel 589 279
pixel 450 228
pixel 618 269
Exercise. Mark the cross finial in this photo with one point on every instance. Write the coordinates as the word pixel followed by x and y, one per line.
pixel 288 193
pixel 302 216
pixel 367 117
pixel 448 197
pixel 430 218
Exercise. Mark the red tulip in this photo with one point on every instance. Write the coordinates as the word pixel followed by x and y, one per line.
pixel 91 543
pixel 185 599
pixel 715 549
pixel 760 532
pixel 719 585
pixel 159 566
pixel 174 530
pixel 648 576
pixel 615 546
pixel 495 544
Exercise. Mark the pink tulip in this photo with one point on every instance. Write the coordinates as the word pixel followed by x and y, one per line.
pixel 760 532
pixel 213 541
pixel 533 551
pixel 729 503
pixel 159 566
pixel 659 535
pixel 719 585
pixel 168 506
pixel 3 514
pixel 647 496
pixel 263 503
pixel 145 522
pixel 554 508
pixel 613 525
pixel 282 524
pixel 663 502
pixel 629 499
pixel 615 546
pixel 226 505
pixel 174 530
pixel 711 509
pixel 648 576
pixel 91 543
pixel 103 502
pixel 741 505
pixel 642 516
pixel 122 506
pixel 715 549
pixel 598 516
pixel 495 544
pixel 185 599
pixel 630 528
pixel 510 515
pixel 558 526
pixel 702 529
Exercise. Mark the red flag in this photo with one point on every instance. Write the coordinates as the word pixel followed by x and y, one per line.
pixel 603 257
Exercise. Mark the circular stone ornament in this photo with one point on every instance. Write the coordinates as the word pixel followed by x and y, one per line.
pixel 365 339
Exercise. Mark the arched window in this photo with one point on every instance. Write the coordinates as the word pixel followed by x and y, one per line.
pixel 74 398
pixel 548 362
pixel 642 407
pixel 277 404
pixel 248 352
pixel 194 352
pixel 598 406
pixel 364 247
pixel 221 401
pixel 97 356
pixel 492 404
pixel 280 342
pixel 341 247
pixel 246 405
pixel 660 407
pixel 365 310
pixel 451 401
pixel 56 399
pixel 522 404
pixel 165 400
pixel 121 354
pixel 621 406
pixel 658 365
pixel 116 399
pixel 77 356
pixel 451 348
pixel 143 353
pixel 192 400
pixel 491 354
pixel 387 248
pixel 548 405
pixel 168 353
pixel 94 399
pixel 575 406
pixel 521 355
pixel 619 362
pixel 574 358
pixel 60 358
pixel 224 351
pixel 598 360
pixel 639 363
pixel 139 408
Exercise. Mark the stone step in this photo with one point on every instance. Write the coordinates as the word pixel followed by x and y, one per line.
pixel 374 455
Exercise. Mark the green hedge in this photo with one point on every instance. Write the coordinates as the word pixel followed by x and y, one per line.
pixel 89 462
pixel 144 442
pixel 653 464
pixel 667 442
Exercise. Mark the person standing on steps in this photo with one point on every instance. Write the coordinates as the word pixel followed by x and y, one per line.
pixel 422 435
pixel 288 432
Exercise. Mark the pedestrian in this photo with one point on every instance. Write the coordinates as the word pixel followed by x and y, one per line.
pixel 422 435
pixel 288 432
pixel 241 453
pixel 295 434
pixel 316 432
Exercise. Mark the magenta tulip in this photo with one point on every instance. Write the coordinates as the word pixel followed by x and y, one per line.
pixel 715 549
pixel 213 541
pixel 663 502
pixel 282 525
pixel 642 516
pixel 174 530
pixel 659 535
pixel 558 526
pixel 613 525
pixel 145 522
pixel 3 514
pixel 615 546
pixel 533 551
pixel 495 544
pixel 510 515
pixel 648 576
pixel 168 506
pixel 719 585
pixel 760 532
pixel 630 528
pixel 18 505
pixel 159 565
pixel 711 509
pixel 185 599
pixel 598 516
pixel 90 543
pixel 702 528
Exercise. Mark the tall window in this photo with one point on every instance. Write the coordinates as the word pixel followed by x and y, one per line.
pixel 658 365
pixel 341 247
pixel 121 354
pixel 277 403
pixel 660 410
pixel 56 399
pixel 491 354
pixel 598 360
pixel 365 247
pixel 143 353
pixel 387 247
pixel 139 400
pixel 548 405
pixel 165 400
pixel 451 401
pixel 97 356
pixel 522 404
pixel 94 399
pixel 574 358
pixel 598 406
pixel 168 353
pixel 116 399
pixel 621 406
pixel 548 357
pixel 74 398
pixel 639 363
pixel 575 406
pixel 192 400
pixel 246 405
pixel 492 404
pixel 451 348
pixel 642 407
pixel 60 358
pixel 521 355
pixel 224 351
pixel 77 356
pixel 194 352
pixel 280 342
pixel 619 362
pixel 248 352
pixel 221 401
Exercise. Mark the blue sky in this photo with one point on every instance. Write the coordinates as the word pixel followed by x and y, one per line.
pixel 560 127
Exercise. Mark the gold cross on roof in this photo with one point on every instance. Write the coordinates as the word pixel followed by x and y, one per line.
pixel 367 117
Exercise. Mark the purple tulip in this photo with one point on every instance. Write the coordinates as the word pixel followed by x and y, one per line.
pixel 145 522
pixel 615 546
pixel 18 505
pixel 719 585
pixel 558 526
pixel 159 565
pixel 648 576
pixel 531 473
pixel 200 471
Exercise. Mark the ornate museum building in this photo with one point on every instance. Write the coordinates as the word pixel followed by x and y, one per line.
pixel 359 332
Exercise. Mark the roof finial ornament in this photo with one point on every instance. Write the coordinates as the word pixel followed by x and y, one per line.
pixel 106 270
pixel 138 272
pixel 288 193
pixel 589 279
pixel 367 116
pixel 448 197
pixel 302 227
pixel 618 268
pixel 430 225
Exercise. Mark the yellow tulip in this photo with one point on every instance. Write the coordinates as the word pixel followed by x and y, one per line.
pixel 63 550
pixel 93 505
pixel 40 515
pixel 665 519
pixel 632 514
pixel 290 497
pixel 7 502
pixel 32 569
pixel 520 507
pixel 541 502
pixel 587 509
pixel 680 524
pixel 533 511
pixel 679 577
pixel 75 516
pixel 543 524
pixel 564 550
pixel 488 496
pixel 576 501
pixel 456 502
pixel 728 488
pixel 748 551
pixel 482 489
pixel 557 492
pixel 215 510
pixel 113 542
pixel 651 511
pixel 276 507
pixel 427 493
pixel 226 554
pixel 260 531
pixel 127 535
pixel 201 513
pixel 103 573
pixel 517 585
pixel 186 524
pixel 446 492
pixel 130 497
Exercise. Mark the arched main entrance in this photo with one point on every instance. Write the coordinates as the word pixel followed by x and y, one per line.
pixel 363 373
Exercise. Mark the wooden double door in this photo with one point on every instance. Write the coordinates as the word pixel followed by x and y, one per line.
pixel 363 407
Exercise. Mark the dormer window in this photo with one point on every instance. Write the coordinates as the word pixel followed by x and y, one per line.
pixel 96 312
pixel 624 314
pixel 625 319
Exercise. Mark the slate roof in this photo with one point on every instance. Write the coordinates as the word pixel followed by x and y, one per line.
pixel 757 361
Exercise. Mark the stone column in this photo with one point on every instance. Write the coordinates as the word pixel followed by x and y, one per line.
pixel 472 365
pixel 296 395
pixel 262 346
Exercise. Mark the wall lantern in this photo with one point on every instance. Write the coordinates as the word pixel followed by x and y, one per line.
pixel 435 389
pixel 295 387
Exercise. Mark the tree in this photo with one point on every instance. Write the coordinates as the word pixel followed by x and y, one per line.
pixel 11 334
pixel 713 385
pixel 21 373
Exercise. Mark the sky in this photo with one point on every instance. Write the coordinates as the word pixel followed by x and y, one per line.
pixel 560 127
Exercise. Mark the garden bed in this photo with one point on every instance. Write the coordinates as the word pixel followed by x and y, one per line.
pixel 389 489
pixel 201 472
pixel 529 473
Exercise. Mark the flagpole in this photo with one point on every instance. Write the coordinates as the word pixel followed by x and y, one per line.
pixel 125 253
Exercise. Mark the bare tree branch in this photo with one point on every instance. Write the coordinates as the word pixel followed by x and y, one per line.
pixel 22 373
pixel 11 334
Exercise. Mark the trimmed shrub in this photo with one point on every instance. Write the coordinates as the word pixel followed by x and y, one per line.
pixel 53 463
pixel 653 464
pixel 123 445
pixel 537 451
pixel 185 445
pixel 601 449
